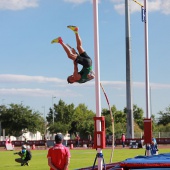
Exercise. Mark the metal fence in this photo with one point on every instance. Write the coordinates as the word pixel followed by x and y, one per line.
pixel 155 135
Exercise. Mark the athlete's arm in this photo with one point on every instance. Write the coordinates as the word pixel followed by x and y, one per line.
pixel 76 75
pixel 90 76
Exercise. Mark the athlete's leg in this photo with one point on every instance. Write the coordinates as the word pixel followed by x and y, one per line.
pixel 19 160
pixel 79 44
pixel 69 52
pixel 66 48
pixel 78 38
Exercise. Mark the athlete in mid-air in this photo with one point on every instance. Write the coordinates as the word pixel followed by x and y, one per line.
pixel 81 57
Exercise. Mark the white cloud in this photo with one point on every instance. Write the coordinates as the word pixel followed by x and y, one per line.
pixel 159 86
pixel 122 84
pixel 153 5
pixel 36 92
pixel 165 7
pixel 10 78
pixel 17 4
pixel 77 1
pixel 23 85
pixel 120 8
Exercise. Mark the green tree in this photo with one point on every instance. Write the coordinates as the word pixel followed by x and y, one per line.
pixel 120 117
pixel 108 121
pixel 17 118
pixel 63 112
pixel 62 117
pixel 73 120
pixel 119 121
pixel 59 127
pixel 49 116
pixel 138 116
pixel 82 121
pixel 162 128
pixel 154 123
pixel 164 118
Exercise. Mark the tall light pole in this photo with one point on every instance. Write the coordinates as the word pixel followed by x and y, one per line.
pixel 53 107
pixel 44 112
pixel 129 105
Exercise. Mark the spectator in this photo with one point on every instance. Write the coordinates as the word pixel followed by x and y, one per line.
pixel 77 140
pixel 25 139
pixel 8 140
pixel 45 142
pixel 123 140
pixel 90 140
pixel 59 155
pixel 66 138
pixel 154 147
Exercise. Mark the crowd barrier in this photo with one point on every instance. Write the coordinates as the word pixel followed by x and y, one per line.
pixel 138 140
pixel 82 142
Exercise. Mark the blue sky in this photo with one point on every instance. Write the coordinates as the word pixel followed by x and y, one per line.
pixel 33 71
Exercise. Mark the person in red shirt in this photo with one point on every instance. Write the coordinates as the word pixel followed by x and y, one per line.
pixel 59 155
pixel 123 140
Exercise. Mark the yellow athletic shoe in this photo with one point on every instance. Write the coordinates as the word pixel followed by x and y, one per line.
pixel 57 40
pixel 73 28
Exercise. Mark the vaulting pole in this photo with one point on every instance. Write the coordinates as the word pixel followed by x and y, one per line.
pixel 112 120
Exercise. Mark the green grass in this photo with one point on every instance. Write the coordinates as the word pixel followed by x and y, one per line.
pixel 79 158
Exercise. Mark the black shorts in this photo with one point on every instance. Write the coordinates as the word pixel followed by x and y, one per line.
pixel 84 60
